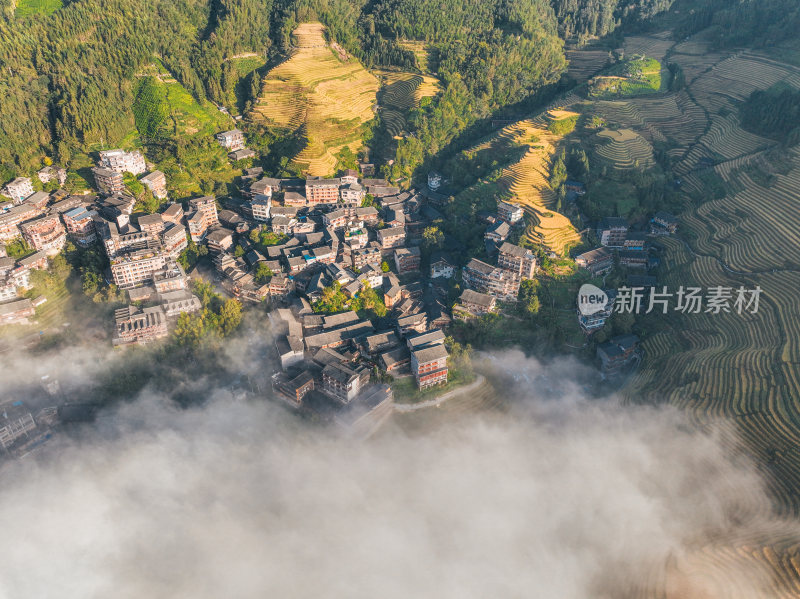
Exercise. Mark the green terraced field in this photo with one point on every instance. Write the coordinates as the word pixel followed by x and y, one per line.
pixel 26 8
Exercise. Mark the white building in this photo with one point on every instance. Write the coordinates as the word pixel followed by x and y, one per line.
pixel 231 140
pixel 18 189
pixel 121 161
pixel 157 183
pixel 50 173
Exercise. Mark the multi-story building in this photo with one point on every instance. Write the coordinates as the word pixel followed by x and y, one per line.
pixel 173 214
pixel 131 268
pixel 135 326
pixel 634 259
pixel 169 277
pixel 115 242
pixel 203 218
pixel 46 234
pixel 79 223
pixel 596 261
pixel 261 205
pixel 108 181
pixel 17 312
pixel 10 220
pixel 156 183
pixel 174 240
pixel 231 140
pixel 220 239
pixel 297 388
pixel 592 322
pixel 407 259
pixel 618 354
pixel 498 232
pixel 635 241
pixel 360 257
pixel 341 381
pixel 349 176
pixel 612 231
pixel 53 173
pixel 122 161
pixel 442 266
pixel 322 191
pixel 477 303
pixel 356 236
pixel 521 261
pixel 294 198
pixel 510 212
pixel 391 238
pixel 498 282
pixel 429 366
pixel 151 224
pixel 18 189
pixel 352 193
pixel 663 223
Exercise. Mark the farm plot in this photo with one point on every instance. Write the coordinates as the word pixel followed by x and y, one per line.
pixel 624 150
pixel 655 45
pixel 317 92
pixel 400 92
pixel 526 181
pixel 584 63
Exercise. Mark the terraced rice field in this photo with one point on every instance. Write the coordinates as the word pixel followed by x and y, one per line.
pixel 526 180
pixel 401 92
pixel 421 53
pixel 317 93
pixel 585 63
pixel 745 368
pixel 625 150
pixel 654 45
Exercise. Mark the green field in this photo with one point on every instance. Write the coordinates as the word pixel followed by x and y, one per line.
pixel 248 64
pixel 26 8
pixel 631 77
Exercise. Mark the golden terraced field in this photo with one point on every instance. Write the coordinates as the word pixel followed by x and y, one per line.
pixel 526 180
pixel 317 93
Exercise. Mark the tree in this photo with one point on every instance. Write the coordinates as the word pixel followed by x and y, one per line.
pixel 263 273
pixel 90 281
pixel 230 314
pixel 432 238
pixel 190 328
pixel 529 297
pixel 385 266
pixel 332 300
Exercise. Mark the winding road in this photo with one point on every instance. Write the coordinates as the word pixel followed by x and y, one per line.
pixel 437 401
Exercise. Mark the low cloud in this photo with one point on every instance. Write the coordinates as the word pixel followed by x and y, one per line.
pixel 555 496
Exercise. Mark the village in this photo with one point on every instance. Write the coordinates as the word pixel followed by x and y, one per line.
pixel 310 249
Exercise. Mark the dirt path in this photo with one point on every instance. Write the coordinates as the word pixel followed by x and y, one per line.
pixel 436 401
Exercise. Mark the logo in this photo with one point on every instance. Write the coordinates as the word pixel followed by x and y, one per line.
pixel 591 299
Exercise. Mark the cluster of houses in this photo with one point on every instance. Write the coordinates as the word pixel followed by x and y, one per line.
pixel 15 280
pixel 486 284
pixel 619 244
pixel 617 240
pixel 113 164
pixel 233 141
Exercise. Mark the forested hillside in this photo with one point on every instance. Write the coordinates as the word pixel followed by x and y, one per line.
pixel 739 22
pixel 69 80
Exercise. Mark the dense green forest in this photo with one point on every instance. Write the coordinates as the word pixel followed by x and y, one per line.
pixel 739 22
pixel 773 113
pixel 70 84
pixel 583 18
